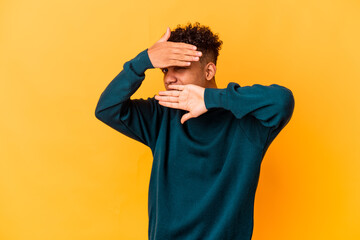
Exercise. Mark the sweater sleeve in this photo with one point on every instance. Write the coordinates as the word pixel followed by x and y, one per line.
pixel 272 106
pixel 137 118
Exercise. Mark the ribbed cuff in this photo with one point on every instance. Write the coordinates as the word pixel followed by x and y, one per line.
pixel 141 62
pixel 215 98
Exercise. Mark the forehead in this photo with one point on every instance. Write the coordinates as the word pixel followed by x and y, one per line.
pixel 195 65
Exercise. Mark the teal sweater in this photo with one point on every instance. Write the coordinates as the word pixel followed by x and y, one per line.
pixel 204 172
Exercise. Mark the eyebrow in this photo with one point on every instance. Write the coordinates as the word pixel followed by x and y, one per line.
pixel 177 67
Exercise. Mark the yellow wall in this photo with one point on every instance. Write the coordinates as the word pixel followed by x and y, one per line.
pixel 66 175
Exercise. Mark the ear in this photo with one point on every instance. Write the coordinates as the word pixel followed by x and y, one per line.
pixel 210 70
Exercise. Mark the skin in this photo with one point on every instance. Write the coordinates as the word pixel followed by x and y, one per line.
pixel 185 77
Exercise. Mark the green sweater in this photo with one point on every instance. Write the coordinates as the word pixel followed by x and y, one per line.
pixel 204 172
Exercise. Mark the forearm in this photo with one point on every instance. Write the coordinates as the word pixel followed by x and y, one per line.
pixel 123 86
pixel 271 105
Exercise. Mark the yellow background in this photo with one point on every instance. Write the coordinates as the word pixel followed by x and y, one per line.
pixel 66 175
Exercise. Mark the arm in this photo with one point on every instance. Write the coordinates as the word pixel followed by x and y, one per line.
pixel 136 118
pixel 272 106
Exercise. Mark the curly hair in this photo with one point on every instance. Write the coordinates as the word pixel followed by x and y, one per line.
pixel 202 37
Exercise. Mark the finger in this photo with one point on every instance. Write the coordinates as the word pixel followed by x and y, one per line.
pixel 182 45
pixel 182 57
pixel 167 98
pixel 178 87
pixel 185 117
pixel 169 104
pixel 184 51
pixel 170 93
pixel 178 63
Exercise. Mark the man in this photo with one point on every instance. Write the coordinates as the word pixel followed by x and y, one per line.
pixel 207 143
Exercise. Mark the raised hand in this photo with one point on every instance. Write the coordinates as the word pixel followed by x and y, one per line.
pixel 165 54
pixel 187 97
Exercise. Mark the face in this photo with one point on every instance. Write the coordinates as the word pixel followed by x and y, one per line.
pixel 181 75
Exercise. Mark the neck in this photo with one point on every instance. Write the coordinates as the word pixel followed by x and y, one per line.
pixel 212 84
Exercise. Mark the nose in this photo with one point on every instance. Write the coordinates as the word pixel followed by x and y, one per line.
pixel 170 78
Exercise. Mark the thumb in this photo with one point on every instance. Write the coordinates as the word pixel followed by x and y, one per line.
pixel 166 35
pixel 185 117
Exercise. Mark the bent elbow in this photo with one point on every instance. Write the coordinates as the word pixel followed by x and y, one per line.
pixel 286 107
pixel 288 103
pixel 283 106
pixel 99 113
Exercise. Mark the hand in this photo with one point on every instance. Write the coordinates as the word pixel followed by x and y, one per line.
pixel 187 97
pixel 165 54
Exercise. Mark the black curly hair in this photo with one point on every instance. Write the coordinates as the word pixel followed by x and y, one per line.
pixel 202 37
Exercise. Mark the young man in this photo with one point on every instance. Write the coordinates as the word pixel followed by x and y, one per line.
pixel 207 143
